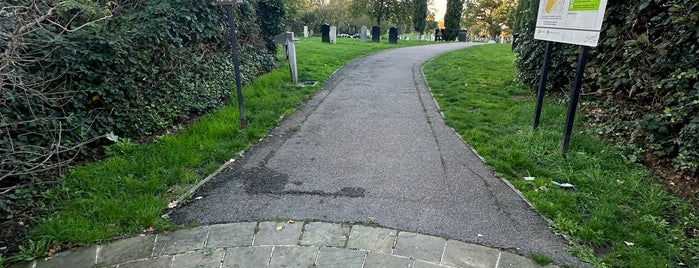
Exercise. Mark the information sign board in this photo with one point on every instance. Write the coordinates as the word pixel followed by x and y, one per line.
pixel 576 22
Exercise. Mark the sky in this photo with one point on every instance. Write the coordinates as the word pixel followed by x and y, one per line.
pixel 440 6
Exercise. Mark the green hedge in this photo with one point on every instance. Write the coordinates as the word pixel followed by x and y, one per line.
pixel 153 64
pixel 644 71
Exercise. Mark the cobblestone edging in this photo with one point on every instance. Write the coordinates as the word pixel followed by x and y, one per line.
pixel 286 244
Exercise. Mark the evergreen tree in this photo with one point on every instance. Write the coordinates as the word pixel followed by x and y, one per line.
pixel 420 16
pixel 452 19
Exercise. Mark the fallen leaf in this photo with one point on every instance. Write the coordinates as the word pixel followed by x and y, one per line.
pixel 371 219
pixel 672 183
pixel 479 235
pixel 290 222
pixel 279 228
pixel 630 244
pixel 198 197
pixel 165 216
pixel 172 204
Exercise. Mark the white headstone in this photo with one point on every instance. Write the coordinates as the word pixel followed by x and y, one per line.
pixel 305 31
pixel 431 37
pixel 363 34
pixel 333 34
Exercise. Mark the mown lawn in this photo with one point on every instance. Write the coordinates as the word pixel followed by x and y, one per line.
pixel 616 216
pixel 126 193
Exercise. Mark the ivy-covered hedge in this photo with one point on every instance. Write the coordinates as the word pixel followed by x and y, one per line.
pixel 645 71
pixel 149 65
pixel 147 69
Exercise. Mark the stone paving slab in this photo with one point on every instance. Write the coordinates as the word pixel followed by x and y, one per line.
pixel 247 257
pixel 380 260
pixel 340 258
pixel 126 250
pixel 371 238
pixel 202 258
pixel 278 233
pixel 325 234
pixel 181 241
pixel 295 256
pixel 313 244
pixel 422 247
pixel 231 235
pixel 162 262
pixel 468 255
pixel 80 257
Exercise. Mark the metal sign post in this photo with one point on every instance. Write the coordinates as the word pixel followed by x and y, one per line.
pixel 228 4
pixel 542 85
pixel 577 22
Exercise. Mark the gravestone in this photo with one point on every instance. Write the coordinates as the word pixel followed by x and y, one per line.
pixel 325 30
pixel 288 42
pixel 431 37
pixel 376 34
pixel 439 35
pixel 393 35
pixel 462 35
pixel 333 34
pixel 363 34
pixel 305 31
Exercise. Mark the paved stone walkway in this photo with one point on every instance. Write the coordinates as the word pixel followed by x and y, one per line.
pixel 372 146
pixel 286 244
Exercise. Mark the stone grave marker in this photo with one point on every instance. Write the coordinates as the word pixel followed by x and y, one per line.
pixel 325 30
pixel 363 34
pixel 393 35
pixel 376 34
pixel 462 35
pixel 333 35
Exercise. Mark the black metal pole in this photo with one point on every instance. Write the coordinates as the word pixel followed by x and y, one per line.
pixel 574 98
pixel 236 67
pixel 542 85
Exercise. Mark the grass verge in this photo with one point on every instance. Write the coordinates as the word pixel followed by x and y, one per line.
pixel 125 193
pixel 616 216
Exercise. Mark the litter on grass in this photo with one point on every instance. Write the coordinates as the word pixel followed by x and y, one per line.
pixel 564 185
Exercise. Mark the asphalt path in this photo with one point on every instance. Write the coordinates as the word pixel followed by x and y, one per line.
pixel 371 146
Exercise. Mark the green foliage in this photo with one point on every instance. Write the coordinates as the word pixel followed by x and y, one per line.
pixel 452 19
pixel 271 20
pixel 155 64
pixel 419 15
pixel 541 259
pixel 488 17
pixel 616 216
pixel 643 72
pixel 127 191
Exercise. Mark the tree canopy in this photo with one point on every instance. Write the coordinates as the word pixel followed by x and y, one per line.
pixel 490 17
pixel 419 15
pixel 452 19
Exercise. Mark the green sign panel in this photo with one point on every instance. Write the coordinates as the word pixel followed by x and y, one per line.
pixel 584 5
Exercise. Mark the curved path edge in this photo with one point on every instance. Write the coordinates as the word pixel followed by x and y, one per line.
pixel 287 244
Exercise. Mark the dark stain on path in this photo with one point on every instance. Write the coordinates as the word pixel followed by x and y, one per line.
pixel 262 180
